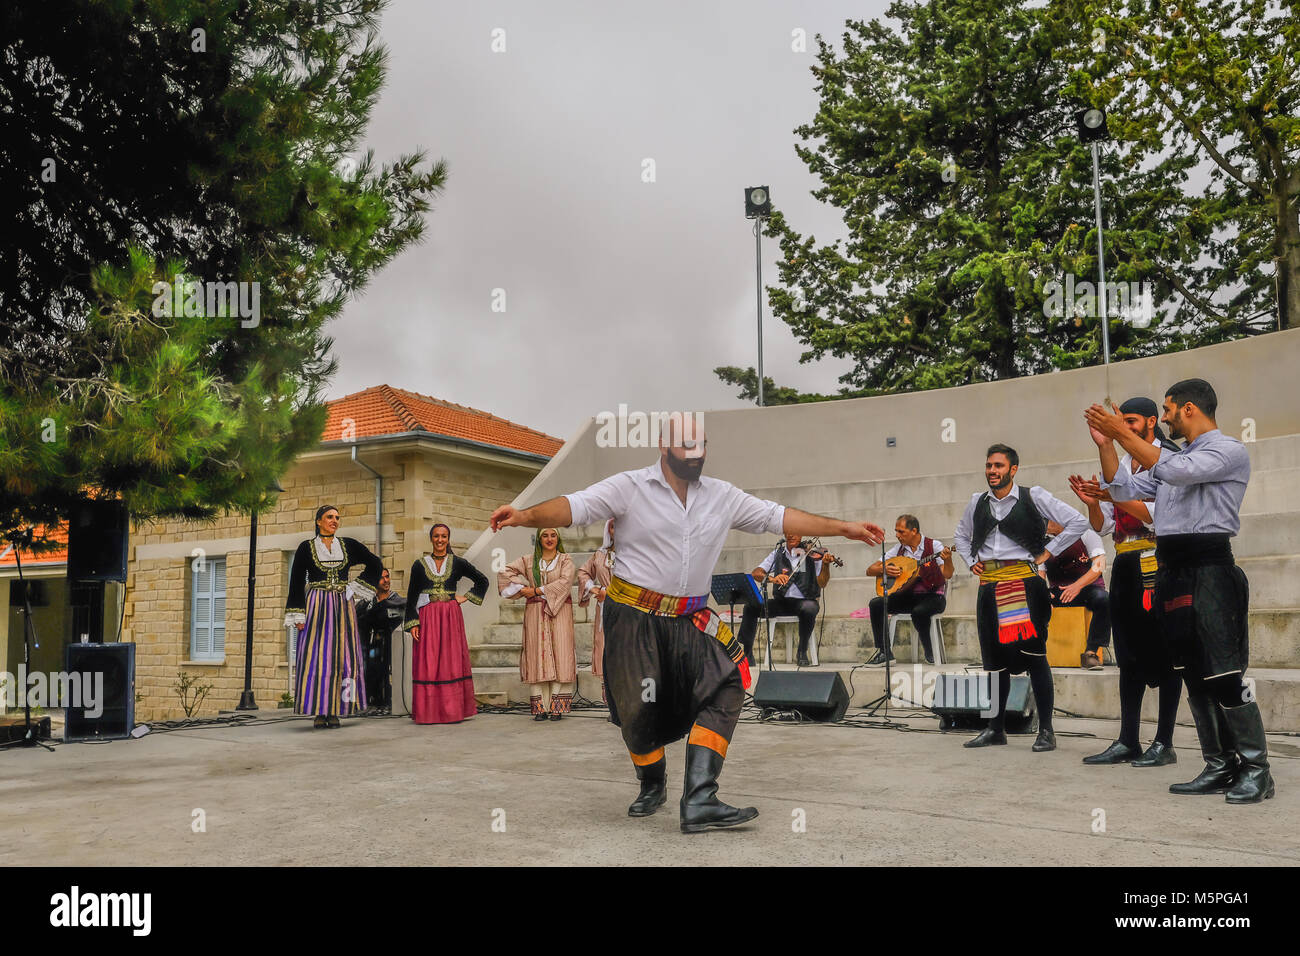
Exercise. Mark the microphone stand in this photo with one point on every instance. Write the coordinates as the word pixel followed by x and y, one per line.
pixel 882 702
pixel 30 737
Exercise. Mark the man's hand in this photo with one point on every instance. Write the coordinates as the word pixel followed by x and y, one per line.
pixel 946 554
pixel 781 579
pixel 507 516
pixel 977 568
pixel 893 570
pixel 1105 426
pixel 867 532
pixel 1070 592
pixel 1089 490
pixel 1043 558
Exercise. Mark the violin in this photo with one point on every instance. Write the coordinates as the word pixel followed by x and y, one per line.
pixel 818 553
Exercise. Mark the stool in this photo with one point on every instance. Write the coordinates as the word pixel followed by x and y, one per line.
pixel 772 622
pixel 936 639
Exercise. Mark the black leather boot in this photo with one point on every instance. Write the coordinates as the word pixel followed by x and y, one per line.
pixel 1212 731
pixel 988 737
pixel 654 789
pixel 1045 741
pixel 1117 752
pixel 701 809
pixel 1254 782
pixel 1157 755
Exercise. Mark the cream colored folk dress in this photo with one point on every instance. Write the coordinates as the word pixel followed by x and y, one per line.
pixel 549 661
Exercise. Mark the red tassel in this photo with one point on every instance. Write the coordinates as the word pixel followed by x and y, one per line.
pixel 744 671
pixel 1146 599
pixel 1014 633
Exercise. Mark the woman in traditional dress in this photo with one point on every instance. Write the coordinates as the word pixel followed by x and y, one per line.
pixel 593 580
pixel 440 670
pixel 549 661
pixel 331 669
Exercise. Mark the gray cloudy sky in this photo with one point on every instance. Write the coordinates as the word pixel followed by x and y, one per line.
pixel 616 290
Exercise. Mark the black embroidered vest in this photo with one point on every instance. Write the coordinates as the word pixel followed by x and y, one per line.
pixel 1023 524
pixel 805 579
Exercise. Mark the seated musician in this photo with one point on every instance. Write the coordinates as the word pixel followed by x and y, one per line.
pixel 799 575
pixel 1074 580
pixel 924 598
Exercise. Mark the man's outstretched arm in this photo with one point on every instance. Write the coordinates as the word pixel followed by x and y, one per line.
pixel 555 513
pixel 802 522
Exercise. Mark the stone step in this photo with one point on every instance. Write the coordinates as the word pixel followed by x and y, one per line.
pixel 1079 692
pixel 512 612
pixel 504 681
pixel 1260 535
pixel 1274 638
pixel 1274 583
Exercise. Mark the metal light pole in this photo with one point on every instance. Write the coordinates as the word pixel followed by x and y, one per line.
pixel 1101 259
pixel 758 206
pixel 758 268
pixel 246 699
pixel 1091 124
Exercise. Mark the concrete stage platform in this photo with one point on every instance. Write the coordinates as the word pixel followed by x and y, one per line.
pixel 385 792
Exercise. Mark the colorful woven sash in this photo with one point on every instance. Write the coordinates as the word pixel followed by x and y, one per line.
pixel 1148 562
pixel 1008 580
pixel 704 618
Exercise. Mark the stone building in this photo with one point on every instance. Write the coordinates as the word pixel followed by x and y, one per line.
pixel 391 461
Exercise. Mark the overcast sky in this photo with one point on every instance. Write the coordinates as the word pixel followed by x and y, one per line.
pixel 616 290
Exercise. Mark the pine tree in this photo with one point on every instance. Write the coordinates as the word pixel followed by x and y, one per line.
pixel 947 141
pixel 1225 76
pixel 145 144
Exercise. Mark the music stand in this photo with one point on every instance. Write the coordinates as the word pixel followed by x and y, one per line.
pixel 730 588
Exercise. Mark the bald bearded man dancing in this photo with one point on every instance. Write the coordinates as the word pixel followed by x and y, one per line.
pixel 672 668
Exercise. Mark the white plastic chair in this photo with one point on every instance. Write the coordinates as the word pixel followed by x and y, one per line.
pixel 936 639
pixel 789 640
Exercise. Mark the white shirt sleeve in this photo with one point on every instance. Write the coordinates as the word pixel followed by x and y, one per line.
pixel 756 515
pixel 1107 517
pixel 769 561
pixel 1092 541
pixel 893 552
pixel 605 499
pixel 1073 524
pixel 512 589
pixel 961 538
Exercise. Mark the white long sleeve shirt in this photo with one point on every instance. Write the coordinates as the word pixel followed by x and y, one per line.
pixel 999 546
pixel 664 545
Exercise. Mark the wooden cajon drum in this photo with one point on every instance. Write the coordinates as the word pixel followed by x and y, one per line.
pixel 1067 635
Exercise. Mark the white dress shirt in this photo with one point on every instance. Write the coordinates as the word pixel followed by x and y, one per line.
pixel 663 545
pixel 1108 509
pixel 917 554
pixel 792 590
pixel 999 546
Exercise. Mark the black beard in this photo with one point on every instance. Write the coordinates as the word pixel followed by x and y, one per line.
pixel 686 469
pixel 997 485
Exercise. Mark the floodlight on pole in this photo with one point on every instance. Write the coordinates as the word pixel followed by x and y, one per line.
pixel 758 206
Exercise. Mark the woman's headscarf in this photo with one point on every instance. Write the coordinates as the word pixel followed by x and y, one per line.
pixel 537 553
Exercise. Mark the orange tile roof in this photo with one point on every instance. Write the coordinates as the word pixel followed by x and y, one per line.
pixel 383 410
pixel 45 558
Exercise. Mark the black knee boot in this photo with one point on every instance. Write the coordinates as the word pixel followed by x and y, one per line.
pixel 1254 782
pixel 701 809
pixel 654 788
pixel 1212 730
pixel 1040 677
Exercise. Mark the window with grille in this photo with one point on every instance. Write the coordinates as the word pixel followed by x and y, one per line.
pixel 208 611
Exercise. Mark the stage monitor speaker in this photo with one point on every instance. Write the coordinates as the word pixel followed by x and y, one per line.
pixel 112 714
pixel 818 695
pixel 97 539
pixel 962 699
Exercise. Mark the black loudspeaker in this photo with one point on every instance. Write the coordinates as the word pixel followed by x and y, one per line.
pixel 97 538
pixel 961 699
pixel 113 714
pixel 818 695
